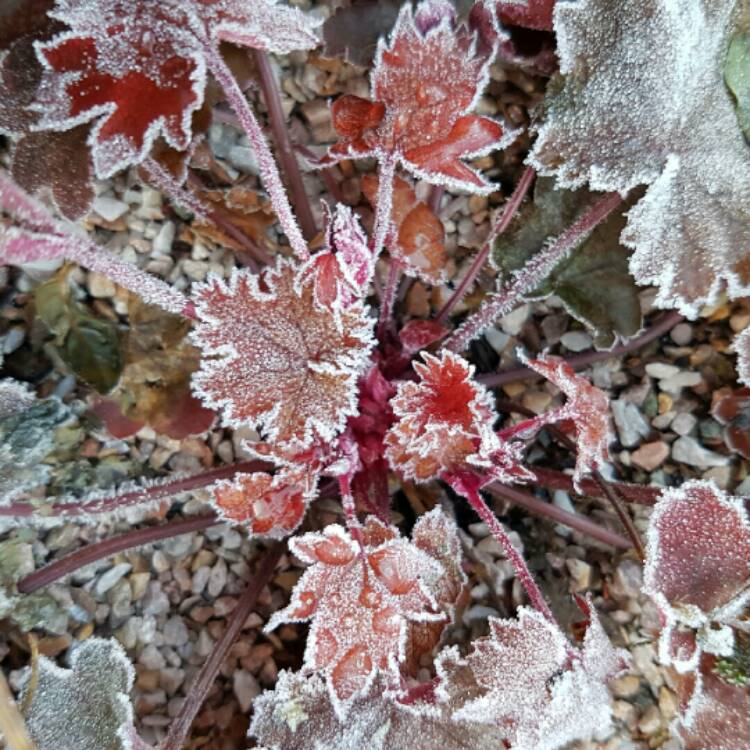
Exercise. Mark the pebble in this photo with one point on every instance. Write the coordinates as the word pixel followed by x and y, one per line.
pixel 175 632
pixel 217 578
pixel 628 580
pixel 576 341
pixel 100 286
pixel 246 688
pixel 152 658
pixel 513 322
pixel 581 575
pixel 684 423
pixel 110 578
pixel 631 424
pixel 661 370
pixel 689 451
pixel 155 601
pixel 682 334
pixel 676 383
pixel 626 686
pixel 110 209
pixel 650 455
pixel 200 579
pixel 497 339
pixel 162 243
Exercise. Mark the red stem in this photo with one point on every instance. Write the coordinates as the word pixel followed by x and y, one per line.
pixel 519 564
pixel 578 361
pixel 571 520
pixel 509 211
pixel 388 300
pixel 180 726
pixel 284 146
pixel 434 198
pixel 136 497
pixel 532 274
pixel 108 547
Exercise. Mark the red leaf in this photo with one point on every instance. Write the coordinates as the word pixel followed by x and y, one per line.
pixel 419 334
pixel 360 603
pixel 532 14
pixel 275 358
pixel 271 505
pixel 425 81
pixel 137 70
pixel 420 235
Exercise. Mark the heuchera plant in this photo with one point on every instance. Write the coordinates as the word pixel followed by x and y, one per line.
pixel 349 400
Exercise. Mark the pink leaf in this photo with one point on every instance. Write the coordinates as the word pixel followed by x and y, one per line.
pixel 587 406
pixel 360 603
pixel 425 81
pixel 697 569
pixel 276 359
pixel 419 334
pixel 137 70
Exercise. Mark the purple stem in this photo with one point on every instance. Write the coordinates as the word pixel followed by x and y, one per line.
pixel 287 157
pixel 571 520
pixel 108 547
pixel 665 323
pixel 136 497
pixel 180 726
pixel 434 198
pixel 388 299
pixel 498 227
pixel 266 163
pixel 519 564
pixel 531 275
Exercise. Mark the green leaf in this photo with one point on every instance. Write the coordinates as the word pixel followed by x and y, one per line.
pixel 737 77
pixel 593 282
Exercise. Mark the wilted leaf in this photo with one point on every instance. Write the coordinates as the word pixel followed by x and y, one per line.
pixel 737 77
pixel 638 79
pixel 360 603
pixel 272 357
pixel 86 707
pixel 593 281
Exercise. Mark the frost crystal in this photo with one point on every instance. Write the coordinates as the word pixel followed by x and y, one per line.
pixel 697 570
pixel 445 426
pixel 137 70
pixel 639 77
pixel 86 707
pixel 271 505
pixel 360 603
pixel 542 695
pixel 425 81
pixel 280 361
pixel 742 348
pixel 587 407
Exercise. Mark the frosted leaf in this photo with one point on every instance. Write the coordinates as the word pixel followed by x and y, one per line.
pixel 742 348
pixel 298 715
pixel 419 241
pixel 638 79
pixel 341 274
pixel 360 603
pixel 419 334
pixel 532 14
pixel 274 358
pixel 697 568
pixel 445 425
pixel 86 707
pixel 425 81
pixel 588 408
pixel 271 505
pixel 540 692
pixel 137 70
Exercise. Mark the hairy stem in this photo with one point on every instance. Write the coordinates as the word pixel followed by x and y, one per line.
pixel 140 496
pixel 664 324
pixel 548 510
pixel 284 144
pixel 531 275
pixel 12 726
pixel 519 564
pixel 180 726
pixel 389 299
pixel 266 163
pixel 498 227
pixel 186 198
pixel 109 547
pixel 383 204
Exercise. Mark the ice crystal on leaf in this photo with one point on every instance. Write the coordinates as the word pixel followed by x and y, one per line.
pixel 536 688
pixel 532 14
pixel 360 603
pixel 445 426
pixel 298 715
pixel 340 274
pixel 271 505
pixel 137 70
pixel 419 241
pixel 279 360
pixel 638 79
pixel 697 570
pixel 587 407
pixel 425 81
pixel 741 347
pixel 86 707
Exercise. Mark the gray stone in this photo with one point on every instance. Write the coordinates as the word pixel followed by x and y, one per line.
pixel 684 423
pixel 110 578
pixel 110 209
pixel 152 658
pixel 218 578
pixel 175 632
pixel 631 424
pixel 661 370
pixel 246 689
pixel 689 451
pixel 576 341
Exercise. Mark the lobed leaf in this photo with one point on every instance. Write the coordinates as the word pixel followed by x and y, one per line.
pixel 273 358
pixel 360 601
pixel 637 80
